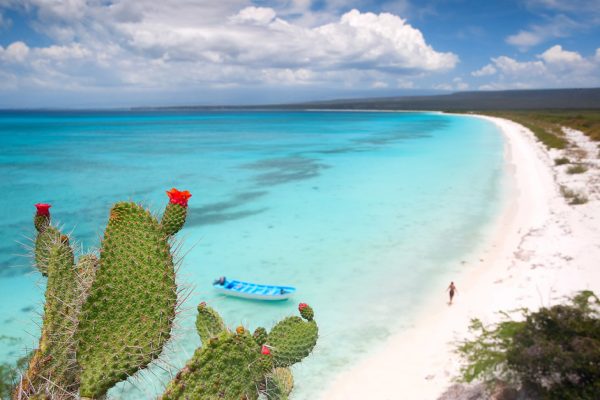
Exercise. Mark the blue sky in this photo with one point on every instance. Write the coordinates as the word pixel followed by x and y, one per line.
pixel 114 53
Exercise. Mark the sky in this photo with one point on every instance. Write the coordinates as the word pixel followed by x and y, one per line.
pixel 120 53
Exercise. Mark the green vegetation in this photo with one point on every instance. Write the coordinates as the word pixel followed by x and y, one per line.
pixel 549 133
pixel 546 124
pixel 553 353
pixel 238 365
pixel 105 318
pixel 573 197
pixel 576 169
pixel 561 161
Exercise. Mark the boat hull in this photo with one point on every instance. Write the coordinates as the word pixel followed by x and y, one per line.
pixel 247 290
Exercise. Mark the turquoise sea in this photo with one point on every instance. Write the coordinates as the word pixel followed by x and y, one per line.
pixel 366 213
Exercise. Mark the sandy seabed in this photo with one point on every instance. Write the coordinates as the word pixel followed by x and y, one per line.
pixel 540 250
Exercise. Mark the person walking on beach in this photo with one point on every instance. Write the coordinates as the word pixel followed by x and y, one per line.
pixel 452 290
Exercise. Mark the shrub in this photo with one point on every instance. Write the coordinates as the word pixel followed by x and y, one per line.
pixel 554 352
pixel 561 161
pixel 572 197
pixel 576 169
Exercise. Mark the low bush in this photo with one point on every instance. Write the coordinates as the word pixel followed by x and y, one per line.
pixel 573 197
pixel 561 161
pixel 553 352
pixel 576 169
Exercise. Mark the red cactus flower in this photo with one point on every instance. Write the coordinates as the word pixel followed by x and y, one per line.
pixel 265 350
pixel 179 197
pixel 43 209
pixel 302 306
pixel 203 304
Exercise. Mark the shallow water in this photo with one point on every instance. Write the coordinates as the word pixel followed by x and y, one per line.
pixel 361 211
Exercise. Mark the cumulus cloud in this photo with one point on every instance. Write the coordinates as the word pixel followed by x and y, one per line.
pixel 484 71
pixel 149 44
pixel 556 27
pixel 556 55
pixel 15 53
pixel 555 67
pixel 254 15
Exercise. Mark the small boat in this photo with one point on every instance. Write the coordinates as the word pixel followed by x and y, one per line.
pixel 249 290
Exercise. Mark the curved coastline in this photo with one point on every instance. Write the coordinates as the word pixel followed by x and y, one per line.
pixel 521 264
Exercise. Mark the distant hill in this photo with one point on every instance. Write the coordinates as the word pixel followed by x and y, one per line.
pixel 497 100
pixel 460 101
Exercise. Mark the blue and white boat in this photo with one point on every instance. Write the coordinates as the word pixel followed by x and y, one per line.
pixel 249 290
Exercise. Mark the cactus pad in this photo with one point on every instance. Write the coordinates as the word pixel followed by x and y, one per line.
pixel 208 323
pixel 129 312
pixel 53 367
pixel 230 366
pixel 291 340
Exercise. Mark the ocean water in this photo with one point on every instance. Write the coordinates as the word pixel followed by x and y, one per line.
pixel 364 212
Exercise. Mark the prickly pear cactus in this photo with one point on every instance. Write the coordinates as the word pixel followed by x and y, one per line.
pixel 53 370
pixel 104 319
pixel 293 338
pixel 129 312
pixel 235 365
pixel 229 366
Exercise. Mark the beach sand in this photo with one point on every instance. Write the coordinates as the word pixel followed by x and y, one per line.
pixel 540 250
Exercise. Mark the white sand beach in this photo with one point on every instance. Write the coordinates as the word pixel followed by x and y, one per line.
pixel 541 250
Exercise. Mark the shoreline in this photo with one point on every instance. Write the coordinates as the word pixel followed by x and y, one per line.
pixel 526 261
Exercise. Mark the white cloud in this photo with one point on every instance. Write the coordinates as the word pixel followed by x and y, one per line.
pixel 254 15
pixel 16 52
pixel 60 53
pixel 170 44
pixel 384 40
pixel 484 71
pixel 510 66
pixel 555 67
pixel 556 55
pixel 525 39
pixel 556 27
pixel 379 85
pixel 571 6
